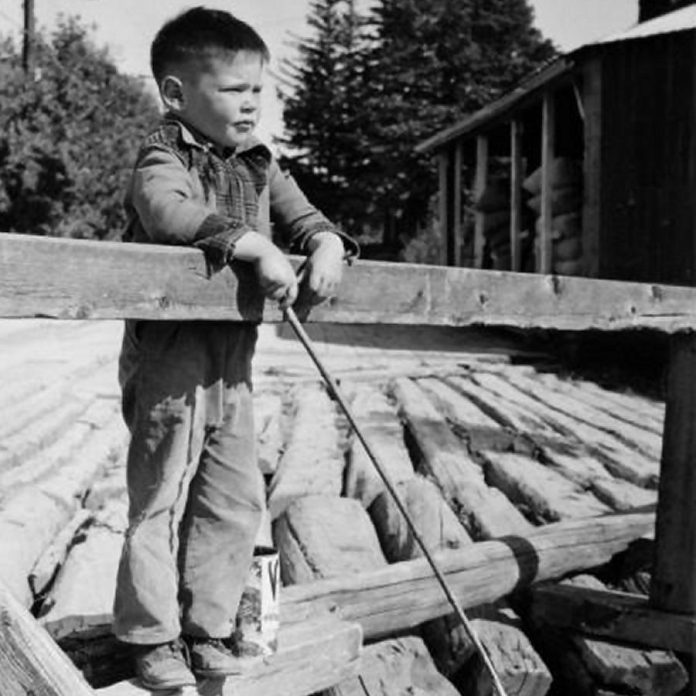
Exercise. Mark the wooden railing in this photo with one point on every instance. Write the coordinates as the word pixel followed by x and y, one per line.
pixel 68 279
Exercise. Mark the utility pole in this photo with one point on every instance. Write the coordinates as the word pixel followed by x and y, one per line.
pixel 28 42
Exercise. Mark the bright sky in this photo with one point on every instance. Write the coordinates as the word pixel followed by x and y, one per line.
pixel 127 27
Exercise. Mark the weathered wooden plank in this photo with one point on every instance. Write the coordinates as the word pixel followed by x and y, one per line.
pixel 611 665
pixel 404 595
pixel 544 247
pixel 480 181
pixel 30 662
pixel 312 462
pixel 312 656
pixel 484 511
pixel 516 176
pixel 616 616
pixel 74 278
pixel 674 575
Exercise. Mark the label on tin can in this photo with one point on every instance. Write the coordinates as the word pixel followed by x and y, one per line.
pixel 258 616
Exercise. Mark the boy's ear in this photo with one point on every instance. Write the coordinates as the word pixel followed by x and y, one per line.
pixel 172 92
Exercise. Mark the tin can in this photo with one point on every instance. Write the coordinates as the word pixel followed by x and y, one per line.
pixel 258 616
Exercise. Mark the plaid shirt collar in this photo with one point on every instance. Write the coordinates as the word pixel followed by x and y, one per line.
pixel 194 138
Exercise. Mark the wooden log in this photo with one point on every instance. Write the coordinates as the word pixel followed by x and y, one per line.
pixel 380 424
pixel 393 668
pixel 548 496
pixel 312 462
pixel 34 515
pixel 110 280
pixel 468 418
pixel 634 436
pixel 404 595
pixel 30 662
pixel 437 525
pixel 615 616
pixel 618 458
pixel 674 575
pixel 83 595
pixel 325 537
pixel 311 656
pixel 447 641
pixel 631 408
pixel 484 511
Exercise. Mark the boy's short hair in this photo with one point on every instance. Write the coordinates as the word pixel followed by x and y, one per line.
pixel 202 33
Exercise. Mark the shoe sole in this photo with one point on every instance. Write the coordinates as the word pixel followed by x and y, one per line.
pixel 166 687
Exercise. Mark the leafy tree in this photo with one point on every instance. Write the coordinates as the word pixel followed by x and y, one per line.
pixel 423 64
pixel 68 137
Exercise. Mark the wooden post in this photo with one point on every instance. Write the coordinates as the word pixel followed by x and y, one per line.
pixel 674 574
pixel 443 160
pixel 592 167
pixel 28 40
pixel 548 126
pixel 516 174
pixel 479 186
pixel 457 236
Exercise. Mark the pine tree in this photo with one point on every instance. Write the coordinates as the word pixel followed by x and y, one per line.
pixel 324 118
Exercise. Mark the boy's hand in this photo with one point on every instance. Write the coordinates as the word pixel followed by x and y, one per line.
pixel 276 275
pixel 323 268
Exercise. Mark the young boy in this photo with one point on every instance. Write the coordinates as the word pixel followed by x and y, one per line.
pixel 196 495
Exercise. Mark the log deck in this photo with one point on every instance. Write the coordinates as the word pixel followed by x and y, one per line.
pixel 74 279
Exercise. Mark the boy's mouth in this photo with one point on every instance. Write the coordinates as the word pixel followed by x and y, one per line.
pixel 244 125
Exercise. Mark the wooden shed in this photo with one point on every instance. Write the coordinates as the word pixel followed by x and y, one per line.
pixel 587 168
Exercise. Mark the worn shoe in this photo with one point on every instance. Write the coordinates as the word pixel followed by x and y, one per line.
pixel 216 657
pixel 163 666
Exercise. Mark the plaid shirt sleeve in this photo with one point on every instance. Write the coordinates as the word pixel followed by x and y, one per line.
pixel 171 211
pixel 297 218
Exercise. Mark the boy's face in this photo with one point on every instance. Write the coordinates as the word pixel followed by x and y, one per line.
pixel 222 98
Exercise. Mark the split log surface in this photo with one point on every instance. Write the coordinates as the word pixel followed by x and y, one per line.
pixel 324 537
pixel 484 511
pixel 312 462
pixel 380 424
pixel 393 668
pixel 83 595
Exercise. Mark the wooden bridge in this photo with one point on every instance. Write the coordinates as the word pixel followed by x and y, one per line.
pixel 82 280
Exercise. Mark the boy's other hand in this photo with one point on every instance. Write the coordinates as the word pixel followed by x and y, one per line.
pixel 324 267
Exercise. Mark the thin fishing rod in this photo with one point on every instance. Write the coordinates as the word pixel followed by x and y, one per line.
pixel 301 334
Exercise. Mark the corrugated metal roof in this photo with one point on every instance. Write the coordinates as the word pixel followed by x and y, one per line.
pixel 679 20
